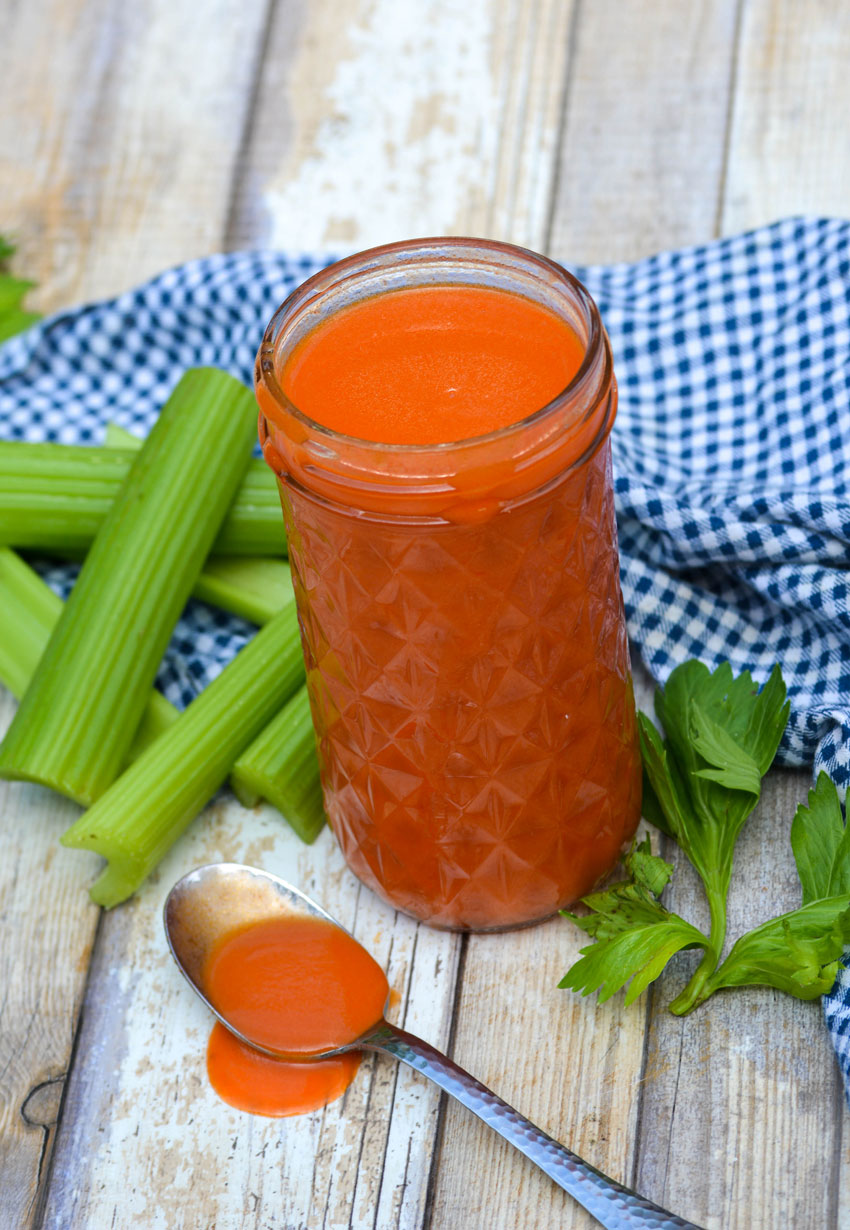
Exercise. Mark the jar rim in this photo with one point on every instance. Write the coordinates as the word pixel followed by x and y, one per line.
pixel 403 254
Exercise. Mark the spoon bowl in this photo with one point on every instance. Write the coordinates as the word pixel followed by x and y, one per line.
pixel 212 902
pixel 220 898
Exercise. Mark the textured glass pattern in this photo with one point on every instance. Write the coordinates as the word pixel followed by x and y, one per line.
pixel 471 691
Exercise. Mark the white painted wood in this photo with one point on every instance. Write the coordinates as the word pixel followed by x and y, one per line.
pixel 145 1139
pixel 119 130
pixel 743 1103
pixel 404 119
pixel 48 926
pixel 119 153
pixel 120 126
pixel 787 155
pixel 788 141
pixel 641 163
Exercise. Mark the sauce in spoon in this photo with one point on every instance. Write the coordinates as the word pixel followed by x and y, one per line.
pixel 294 984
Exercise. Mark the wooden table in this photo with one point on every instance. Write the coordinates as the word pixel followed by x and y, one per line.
pixel 134 136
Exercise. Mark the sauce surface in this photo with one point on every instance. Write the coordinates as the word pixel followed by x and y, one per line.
pixel 431 364
pixel 299 985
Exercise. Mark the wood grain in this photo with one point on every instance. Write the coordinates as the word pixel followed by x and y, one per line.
pixel 48 930
pixel 134 137
pixel 787 155
pixel 641 162
pixel 403 120
pixel 739 1109
pixel 788 140
pixel 145 1140
pixel 119 130
pixel 120 126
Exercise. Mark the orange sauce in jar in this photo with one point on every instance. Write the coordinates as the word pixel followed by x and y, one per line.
pixel 445 478
pixel 297 985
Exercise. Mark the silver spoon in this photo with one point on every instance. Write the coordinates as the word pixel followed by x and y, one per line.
pixel 214 900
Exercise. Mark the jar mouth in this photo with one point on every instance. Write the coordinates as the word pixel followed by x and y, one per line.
pixel 438 261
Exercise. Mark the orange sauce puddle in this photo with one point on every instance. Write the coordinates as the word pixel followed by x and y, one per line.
pixel 298 985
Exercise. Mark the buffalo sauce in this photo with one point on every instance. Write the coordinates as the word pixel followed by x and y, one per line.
pixel 458 594
pixel 432 364
pixel 298 985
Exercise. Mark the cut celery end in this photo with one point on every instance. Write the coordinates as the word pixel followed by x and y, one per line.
pixel 281 766
pixel 55 497
pixel 119 437
pixel 255 589
pixel 149 806
pixel 76 720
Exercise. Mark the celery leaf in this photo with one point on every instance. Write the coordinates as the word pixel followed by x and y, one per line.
pixel 821 844
pixel 798 953
pixel 635 935
pixel 13 318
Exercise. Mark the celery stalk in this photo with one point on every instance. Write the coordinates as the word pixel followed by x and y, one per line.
pixel 29 611
pixel 281 766
pixel 254 588
pixel 143 813
pixel 54 497
pixel 76 721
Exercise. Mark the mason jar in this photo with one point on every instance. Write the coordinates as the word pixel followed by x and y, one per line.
pixel 461 616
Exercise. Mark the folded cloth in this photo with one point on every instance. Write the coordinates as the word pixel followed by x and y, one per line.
pixel 731 451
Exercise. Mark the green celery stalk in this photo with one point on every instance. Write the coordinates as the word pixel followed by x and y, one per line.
pixel 254 588
pixel 29 611
pixel 76 721
pixel 281 766
pixel 55 497
pixel 143 813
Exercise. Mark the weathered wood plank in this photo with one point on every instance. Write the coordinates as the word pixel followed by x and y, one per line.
pixel 640 165
pixel 403 120
pixel 48 928
pixel 787 155
pixel 739 1104
pixel 120 126
pixel 144 1137
pixel 788 139
pixel 571 1066
pixel 618 195
pixel 741 1097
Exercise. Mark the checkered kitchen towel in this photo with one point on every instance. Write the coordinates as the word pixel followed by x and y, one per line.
pixel 731 450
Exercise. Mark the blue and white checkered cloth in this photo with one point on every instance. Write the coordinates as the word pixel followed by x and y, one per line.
pixel 731 451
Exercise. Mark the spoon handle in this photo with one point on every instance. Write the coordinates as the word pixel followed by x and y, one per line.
pixel 616 1207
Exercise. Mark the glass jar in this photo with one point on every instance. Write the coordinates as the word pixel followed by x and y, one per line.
pixel 462 621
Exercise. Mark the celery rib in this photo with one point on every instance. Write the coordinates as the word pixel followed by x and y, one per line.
pixel 76 721
pixel 143 813
pixel 282 767
pixel 29 611
pixel 55 497
pixel 254 588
